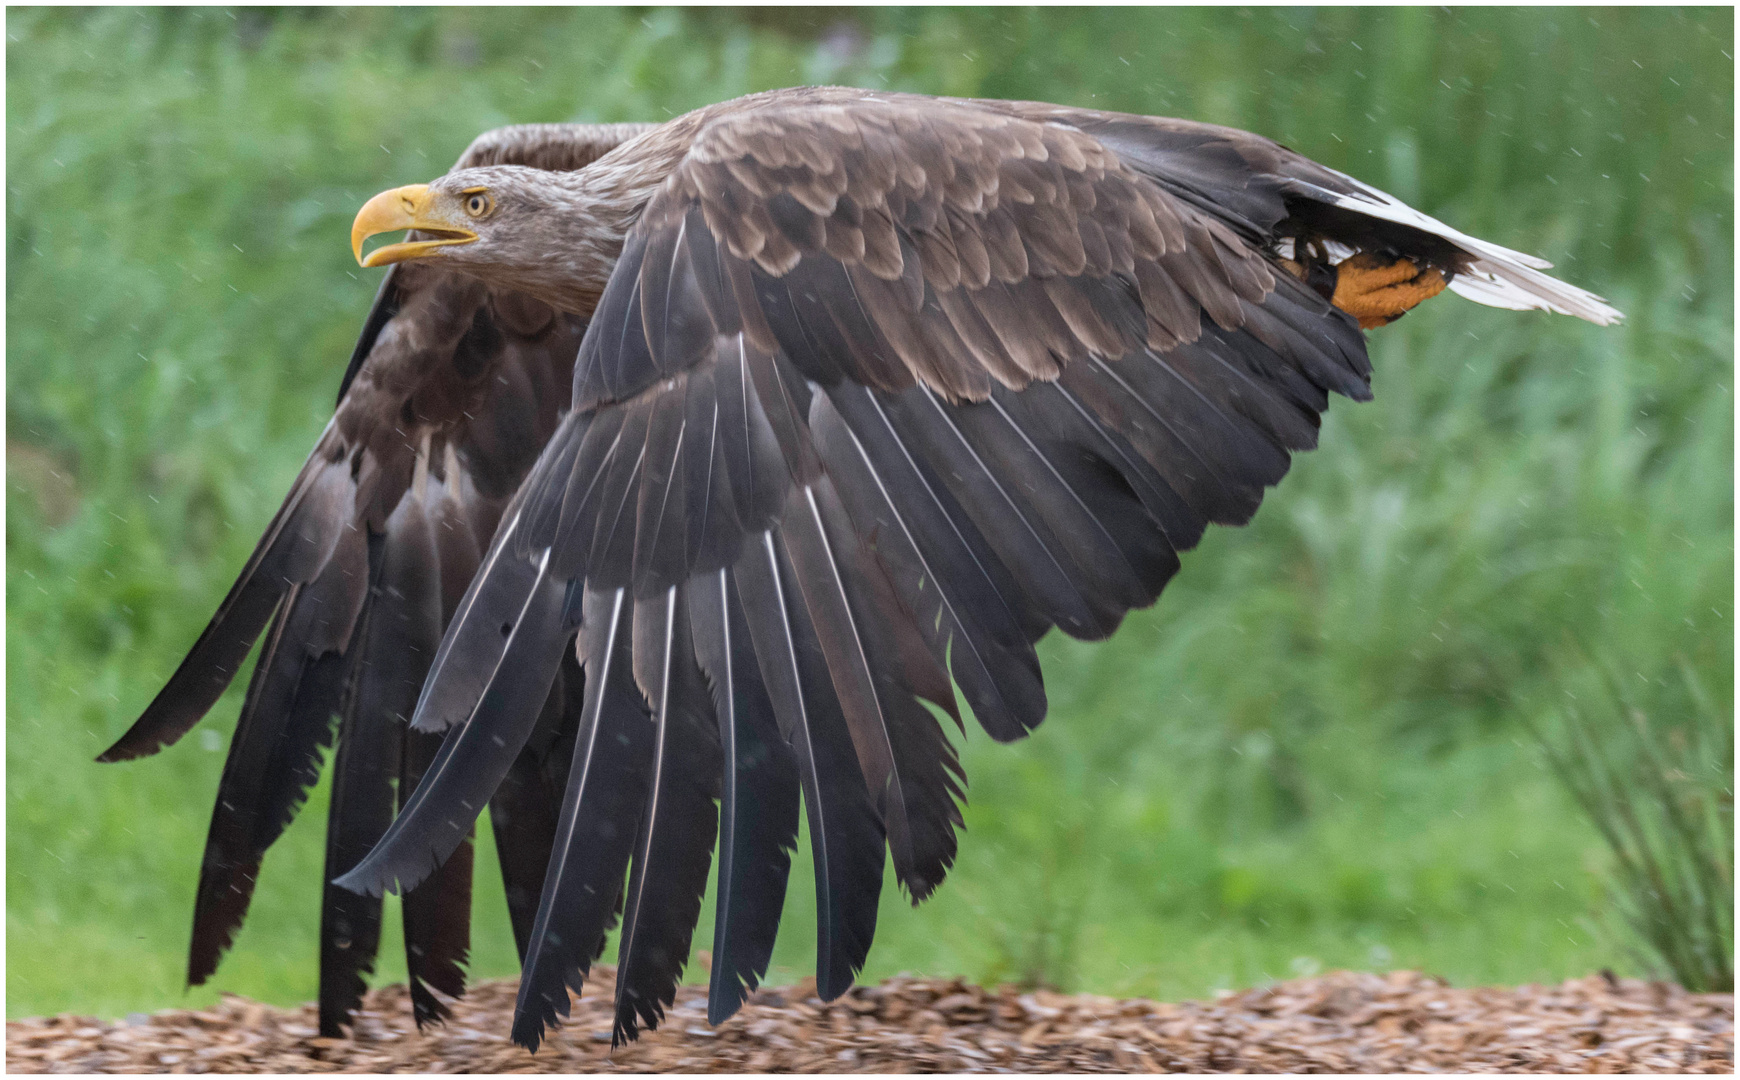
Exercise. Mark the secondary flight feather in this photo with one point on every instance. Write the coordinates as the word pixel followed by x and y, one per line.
pixel 818 405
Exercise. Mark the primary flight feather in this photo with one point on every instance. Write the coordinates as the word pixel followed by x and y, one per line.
pixel 684 471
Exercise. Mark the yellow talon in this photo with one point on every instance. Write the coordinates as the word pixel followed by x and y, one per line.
pixel 1377 292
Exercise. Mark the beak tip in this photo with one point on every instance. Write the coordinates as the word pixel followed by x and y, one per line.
pixel 387 212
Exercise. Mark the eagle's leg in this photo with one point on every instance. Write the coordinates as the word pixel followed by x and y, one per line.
pixel 1376 290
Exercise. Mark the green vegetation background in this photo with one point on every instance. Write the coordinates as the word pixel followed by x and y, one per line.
pixel 1311 753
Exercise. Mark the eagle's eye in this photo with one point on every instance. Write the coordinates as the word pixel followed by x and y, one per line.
pixel 478 203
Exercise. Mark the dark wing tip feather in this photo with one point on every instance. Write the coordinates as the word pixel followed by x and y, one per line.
pixel 222 909
pixel 678 826
pixel 847 835
pixel 598 824
pixel 298 547
pixel 203 675
pixel 759 798
pixel 476 754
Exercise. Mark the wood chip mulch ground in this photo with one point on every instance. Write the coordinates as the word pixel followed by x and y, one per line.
pixel 1340 1022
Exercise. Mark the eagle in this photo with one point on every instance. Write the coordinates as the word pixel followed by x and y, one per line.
pixel 683 473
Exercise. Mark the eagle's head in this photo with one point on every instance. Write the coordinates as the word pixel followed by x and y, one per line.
pixel 520 228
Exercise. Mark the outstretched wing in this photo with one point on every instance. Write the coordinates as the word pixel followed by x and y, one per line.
pixel 452 391
pixel 881 389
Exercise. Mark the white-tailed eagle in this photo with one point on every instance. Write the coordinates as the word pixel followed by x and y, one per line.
pixel 683 472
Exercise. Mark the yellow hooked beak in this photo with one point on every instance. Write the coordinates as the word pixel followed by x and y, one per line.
pixel 412 207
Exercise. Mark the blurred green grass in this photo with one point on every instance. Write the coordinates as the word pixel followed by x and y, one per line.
pixel 1311 753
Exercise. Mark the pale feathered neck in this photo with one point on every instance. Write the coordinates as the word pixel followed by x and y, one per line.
pixel 597 206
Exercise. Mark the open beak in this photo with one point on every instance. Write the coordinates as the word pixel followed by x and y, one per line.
pixel 412 207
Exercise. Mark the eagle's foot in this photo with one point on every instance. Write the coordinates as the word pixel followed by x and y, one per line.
pixel 1377 291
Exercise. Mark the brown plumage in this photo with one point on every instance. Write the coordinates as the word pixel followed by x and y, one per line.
pixel 874 389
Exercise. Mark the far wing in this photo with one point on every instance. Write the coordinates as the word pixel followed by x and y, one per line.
pixel 451 393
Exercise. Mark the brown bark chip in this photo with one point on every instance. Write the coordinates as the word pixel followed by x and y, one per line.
pixel 1340 1022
